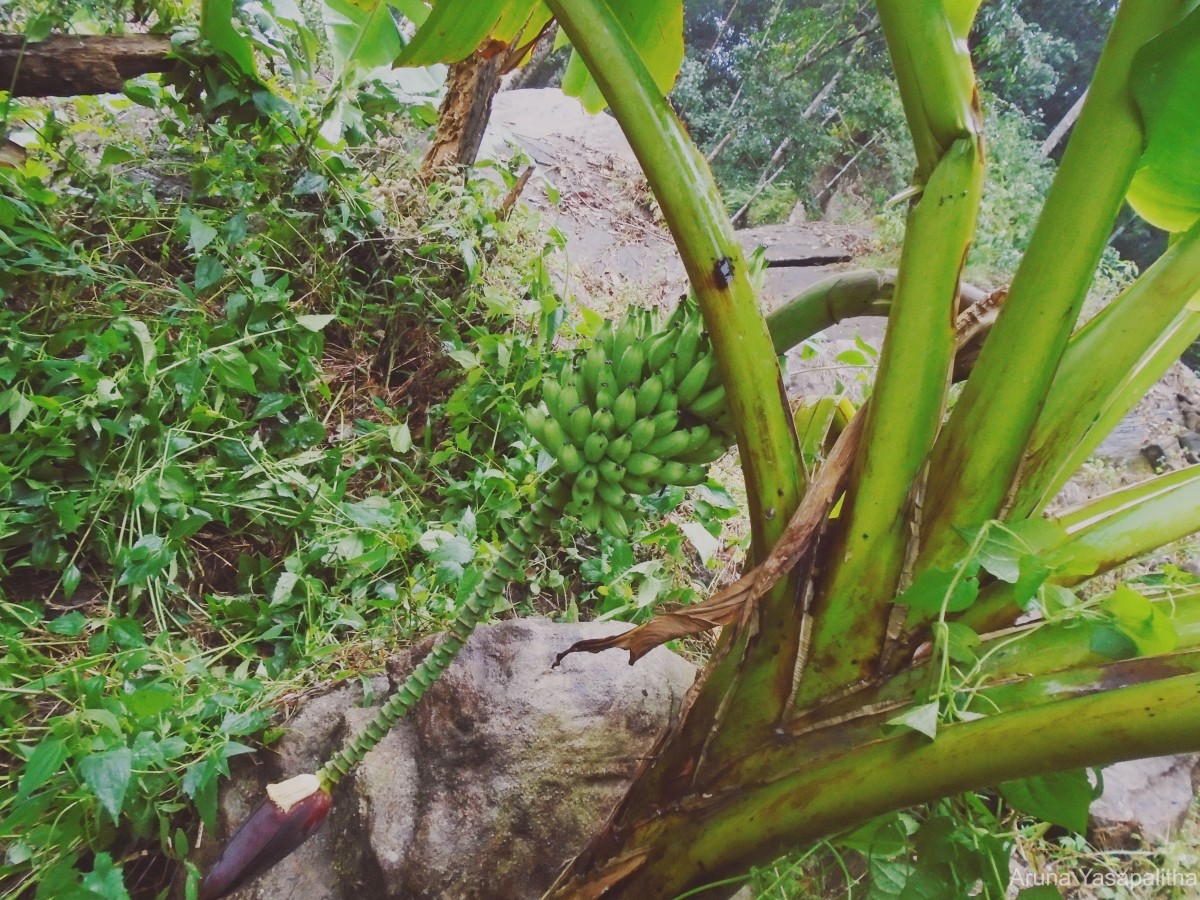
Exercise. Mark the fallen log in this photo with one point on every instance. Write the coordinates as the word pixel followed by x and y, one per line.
pixel 68 65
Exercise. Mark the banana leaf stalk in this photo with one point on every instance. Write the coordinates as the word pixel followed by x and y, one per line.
pixel 1018 363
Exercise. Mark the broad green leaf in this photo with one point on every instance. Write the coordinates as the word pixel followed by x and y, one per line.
pixel 43 764
pixel 314 322
pixel 200 233
pixel 400 437
pixel 107 775
pixel 106 879
pixel 961 14
pixel 1142 621
pixel 1040 892
pixel 216 27
pixel 706 545
pixel 884 837
pixel 962 643
pixel 920 718
pixel 1165 80
pixel 933 587
pixel 1062 798
pixel 655 27
pixel 362 35
pixel 209 271
pixel 457 28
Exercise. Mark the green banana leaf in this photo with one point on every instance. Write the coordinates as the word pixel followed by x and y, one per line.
pixel 1165 80
pixel 216 27
pixel 362 34
pixel 655 27
pixel 454 29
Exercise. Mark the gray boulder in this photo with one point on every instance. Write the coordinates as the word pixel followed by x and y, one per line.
pixel 493 783
pixel 1144 801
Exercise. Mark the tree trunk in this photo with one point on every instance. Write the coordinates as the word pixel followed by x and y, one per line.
pixel 1064 125
pixel 528 75
pixel 67 65
pixel 470 88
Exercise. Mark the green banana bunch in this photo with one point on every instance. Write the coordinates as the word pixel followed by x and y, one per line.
pixel 640 408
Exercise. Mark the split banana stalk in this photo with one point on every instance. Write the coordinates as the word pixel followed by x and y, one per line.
pixel 640 409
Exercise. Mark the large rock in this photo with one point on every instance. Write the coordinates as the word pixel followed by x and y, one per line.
pixel 491 785
pixel 1144 800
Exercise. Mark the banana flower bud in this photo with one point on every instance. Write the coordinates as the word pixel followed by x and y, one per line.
pixel 285 819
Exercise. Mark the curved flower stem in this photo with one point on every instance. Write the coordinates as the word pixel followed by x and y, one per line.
pixel 522 537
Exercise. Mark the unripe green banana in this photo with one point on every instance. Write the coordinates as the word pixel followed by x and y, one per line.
pixel 552 396
pixel 611 492
pixel 582 495
pixel 620 448
pixel 610 470
pixel 588 478
pixel 624 410
pixel 685 309
pixel 590 519
pixel 638 484
pixel 648 394
pixel 605 396
pixel 668 402
pixel 552 436
pixel 605 336
pixel 595 367
pixel 629 367
pixel 535 421
pixel 711 450
pixel 669 445
pixel 692 383
pixel 580 424
pixel 697 436
pixel 642 464
pixel 568 400
pixel 660 348
pixel 594 446
pixel 709 405
pixel 626 337
pixel 614 521
pixel 667 373
pixel 570 458
pixel 688 346
pixel 642 432
pixel 604 422
pixel 682 474
pixel 665 422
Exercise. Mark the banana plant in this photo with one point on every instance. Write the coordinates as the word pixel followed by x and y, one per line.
pixel 870 657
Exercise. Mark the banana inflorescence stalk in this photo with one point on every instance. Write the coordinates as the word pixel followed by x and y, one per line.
pixel 637 410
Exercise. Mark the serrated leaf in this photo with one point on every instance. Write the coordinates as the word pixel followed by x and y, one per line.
pixel 106 879
pixel 1061 798
pixel 107 775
